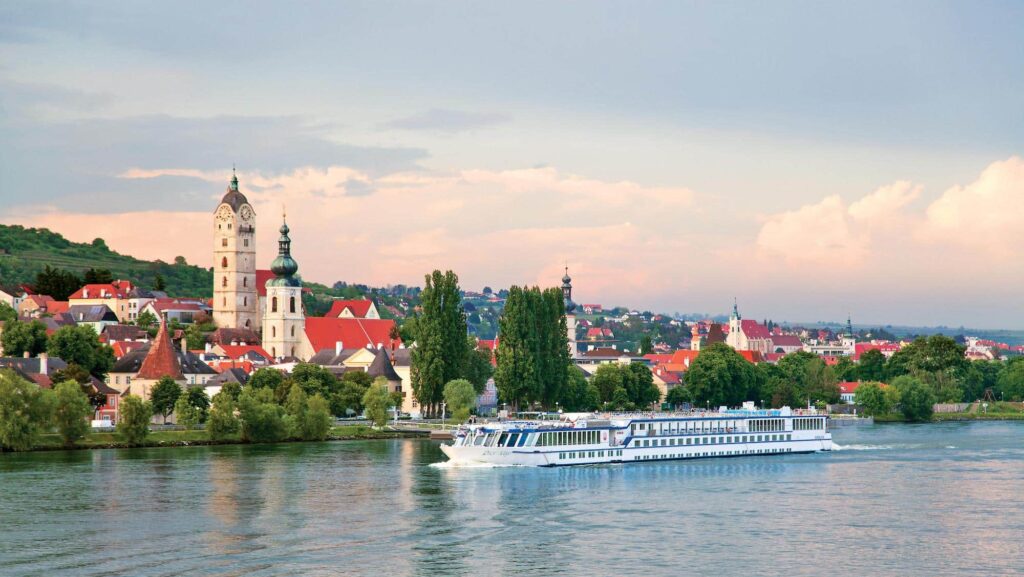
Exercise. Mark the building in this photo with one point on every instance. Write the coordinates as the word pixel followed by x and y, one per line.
pixel 748 335
pixel 284 324
pixel 353 309
pixel 786 344
pixel 114 296
pixel 95 316
pixel 184 311
pixel 235 299
pixel 137 372
pixel 570 314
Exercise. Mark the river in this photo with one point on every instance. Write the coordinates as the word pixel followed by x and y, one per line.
pixel 907 500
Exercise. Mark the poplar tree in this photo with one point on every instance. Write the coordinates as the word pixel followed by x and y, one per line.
pixel 533 349
pixel 440 333
pixel 515 375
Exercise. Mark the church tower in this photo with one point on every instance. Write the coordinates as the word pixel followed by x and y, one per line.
pixel 570 314
pixel 735 337
pixel 284 324
pixel 234 262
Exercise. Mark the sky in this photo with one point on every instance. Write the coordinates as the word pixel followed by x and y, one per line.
pixel 809 159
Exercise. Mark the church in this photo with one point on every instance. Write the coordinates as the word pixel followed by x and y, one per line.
pixel 269 302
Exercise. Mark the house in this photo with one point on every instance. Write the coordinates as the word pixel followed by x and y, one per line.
pixel 34 305
pixel 228 336
pixel 785 344
pixel 252 353
pixel 12 296
pixel 231 375
pixel 138 298
pixel 848 391
pixel 748 335
pixel 35 369
pixel 590 309
pixel 120 333
pixel 95 316
pixel 184 311
pixel 137 372
pixel 114 296
pixel 326 333
pixel 887 349
pixel 353 309
pixel 664 379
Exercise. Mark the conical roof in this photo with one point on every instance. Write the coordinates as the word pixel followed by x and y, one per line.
pixel 162 360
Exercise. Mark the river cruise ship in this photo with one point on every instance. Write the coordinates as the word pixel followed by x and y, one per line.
pixel 593 438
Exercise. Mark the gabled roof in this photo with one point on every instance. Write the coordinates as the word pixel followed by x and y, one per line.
pixel 57 307
pixel 786 341
pixel 751 356
pixel 122 333
pixel 91 313
pixel 683 357
pixel 238 351
pixel 605 352
pixel 226 336
pixel 358 308
pixel 176 305
pixel 122 348
pixel 381 367
pixel 332 357
pixel 232 375
pixel 325 333
pixel 161 359
pixel 117 289
pixel 754 330
pixel 32 366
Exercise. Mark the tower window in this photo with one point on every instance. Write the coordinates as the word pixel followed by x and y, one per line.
pixel 245 242
pixel 224 282
pixel 225 303
pixel 224 241
pixel 293 331
pixel 273 305
pixel 229 226
pixel 224 262
pixel 291 305
pixel 245 301
pixel 246 323
pixel 245 281
pixel 273 331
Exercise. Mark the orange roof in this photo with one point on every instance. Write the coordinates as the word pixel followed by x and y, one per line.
pixel 122 348
pixel 55 307
pixel 262 276
pixel 162 359
pixel 118 289
pixel 325 333
pixel 359 308
pixel 236 351
pixel 683 357
pixel 659 359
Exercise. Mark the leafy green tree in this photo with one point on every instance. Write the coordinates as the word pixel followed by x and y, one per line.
pixel 194 338
pixel 872 399
pixel 25 410
pixel 516 374
pixel 164 395
pixel 24 337
pixel 440 339
pixel 579 395
pixel 7 313
pixel 639 384
pixel 845 370
pixel 185 413
pixel 678 396
pixel 314 379
pixel 221 421
pixel 145 320
pixel 721 376
pixel 134 415
pixel 349 398
pixel 820 382
pixel 262 418
pixel 477 368
pixel 460 397
pixel 81 345
pixel 57 283
pixel 233 390
pixel 1010 382
pixel 71 412
pixel 159 284
pixel 376 401
pixel 198 398
pixel 916 398
pixel 266 378
pixel 981 375
pixel 646 345
pixel 295 411
pixel 318 419
pixel 936 353
pixel 620 399
pixel 871 366
pixel 98 276
pixel 607 379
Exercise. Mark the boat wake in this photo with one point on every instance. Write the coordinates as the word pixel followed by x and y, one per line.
pixel 455 465
pixel 838 447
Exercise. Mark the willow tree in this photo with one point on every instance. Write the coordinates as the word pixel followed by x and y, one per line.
pixel 440 332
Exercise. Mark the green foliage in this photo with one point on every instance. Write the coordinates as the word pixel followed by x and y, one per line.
pixel 164 395
pixel 81 345
pixel 194 338
pixel 634 379
pixel 620 400
pixel 441 346
pixel 477 368
pixel 57 283
pixel 145 320
pixel 71 411
pixel 198 398
pixel 265 378
pixel 607 378
pixel 314 379
pixel 348 399
pixel 579 395
pixel 376 401
pixel 221 421
pixel 677 396
pixel 872 399
pixel 262 419
pixel 25 410
pixel 721 376
pixel 798 378
pixel 295 411
pixel 20 337
pixel 133 419
pixel 1010 382
pixel 7 313
pixel 646 345
pixel 871 366
pixel 98 275
pixel 318 419
pixel 533 347
pixel 916 398
pixel 233 390
pixel 186 415
pixel 460 397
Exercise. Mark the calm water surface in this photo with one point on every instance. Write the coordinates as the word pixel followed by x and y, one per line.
pixel 944 499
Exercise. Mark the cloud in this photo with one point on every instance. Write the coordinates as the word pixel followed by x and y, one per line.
pixel 447 121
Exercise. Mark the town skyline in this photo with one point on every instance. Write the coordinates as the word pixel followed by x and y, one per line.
pixel 696 167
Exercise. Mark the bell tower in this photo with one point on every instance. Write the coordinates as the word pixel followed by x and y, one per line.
pixel 235 301
pixel 570 314
pixel 284 323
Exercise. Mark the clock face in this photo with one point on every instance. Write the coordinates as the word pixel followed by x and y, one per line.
pixel 246 213
pixel 224 214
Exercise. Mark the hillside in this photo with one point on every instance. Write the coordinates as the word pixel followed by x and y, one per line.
pixel 26 251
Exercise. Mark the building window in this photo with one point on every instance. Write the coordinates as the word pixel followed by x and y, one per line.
pixel 225 301
pixel 224 241
pixel 273 331
pixel 273 304
pixel 245 281
pixel 291 304
pixel 224 262
pixel 293 332
pixel 224 282
pixel 245 242
pixel 245 301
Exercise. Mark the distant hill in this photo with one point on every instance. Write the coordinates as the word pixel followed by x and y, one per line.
pixel 26 251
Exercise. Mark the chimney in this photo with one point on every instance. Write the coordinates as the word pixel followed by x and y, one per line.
pixel 44 364
pixel 209 347
pixel 338 346
pixel 184 344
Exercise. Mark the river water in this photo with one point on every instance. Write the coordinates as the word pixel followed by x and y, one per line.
pixel 942 499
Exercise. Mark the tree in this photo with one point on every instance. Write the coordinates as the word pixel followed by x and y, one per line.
pixel 607 378
pixel 133 419
pixel 233 390
pixel 579 395
pixel 477 368
pixel 845 370
pixel 820 382
pixel 318 419
pixel 533 347
pixel 721 376
pixel 440 339
pixel 145 320
pixel 295 411
pixel 81 345
pixel 57 283
pixel 871 366
pixel 164 395
pixel 221 422
pixel 872 399
pixel 620 399
pixel 314 379
pixel 72 411
pixel 7 313
pixel 460 397
pixel 24 337
pixel 194 338
pixel 678 396
pixel 639 384
pixel 98 276
pixel 25 410
pixel 262 419
pixel 185 414
pixel 266 378
pixel 916 398
pixel 198 398
pixel 1010 382
pixel 376 400
pixel 646 345
pixel 158 283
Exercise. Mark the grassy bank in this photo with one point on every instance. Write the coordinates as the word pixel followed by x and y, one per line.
pixel 943 417
pixel 52 442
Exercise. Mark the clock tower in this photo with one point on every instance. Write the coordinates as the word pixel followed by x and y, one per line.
pixel 235 300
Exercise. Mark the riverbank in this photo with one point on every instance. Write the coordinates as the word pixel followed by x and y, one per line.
pixel 187 438
pixel 947 417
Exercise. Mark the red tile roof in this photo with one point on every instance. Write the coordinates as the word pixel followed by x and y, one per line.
pixel 122 348
pixel 324 333
pixel 262 276
pixel 658 359
pixel 359 308
pixel 848 387
pixel 683 357
pixel 162 359
pixel 168 304
pixel 786 341
pixel 118 289
pixel 754 330
pixel 237 351
pixel 55 307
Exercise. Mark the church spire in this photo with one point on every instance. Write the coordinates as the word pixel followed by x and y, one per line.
pixel 735 309
pixel 570 306
pixel 234 179
pixel 284 266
